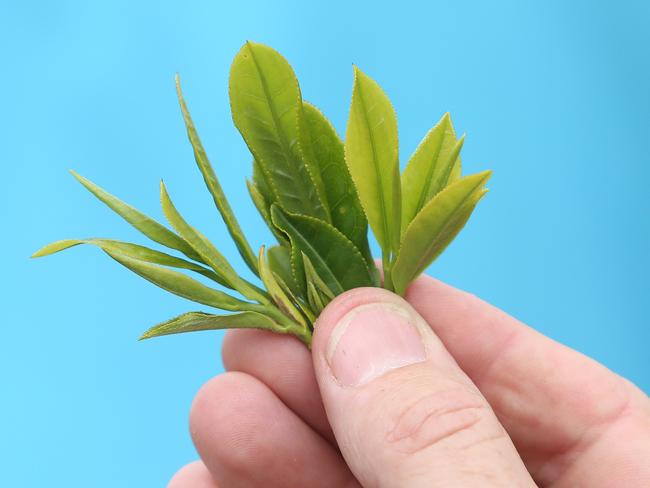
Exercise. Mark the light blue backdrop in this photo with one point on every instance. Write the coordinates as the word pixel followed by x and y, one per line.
pixel 553 97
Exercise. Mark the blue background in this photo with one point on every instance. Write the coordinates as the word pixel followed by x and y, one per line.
pixel 553 97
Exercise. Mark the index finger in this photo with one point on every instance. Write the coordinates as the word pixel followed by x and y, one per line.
pixel 556 404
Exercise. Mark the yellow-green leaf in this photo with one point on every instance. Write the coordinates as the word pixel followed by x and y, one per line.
pixel 371 153
pixel 435 227
pixel 197 321
pixel 134 251
pixel 212 182
pixel 208 252
pixel 266 105
pixel 180 284
pixel 282 300
pixel 148 226
pixel 434 164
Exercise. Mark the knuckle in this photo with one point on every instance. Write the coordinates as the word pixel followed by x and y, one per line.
pixel 455 418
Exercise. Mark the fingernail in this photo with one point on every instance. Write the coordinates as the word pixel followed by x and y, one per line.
pixel 371 340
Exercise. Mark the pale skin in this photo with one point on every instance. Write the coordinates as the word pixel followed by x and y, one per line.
pixel 482 400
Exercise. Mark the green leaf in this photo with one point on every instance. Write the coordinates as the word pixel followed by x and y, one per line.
pixel 318 293
pixel 282 300
pixel 134 251
pixel 207 251
pixel 435 227
pixel 263 207
pixel 279 258
pixel 197 321
pixel 214 186
pixel 180 284
pixel 434 164
pixel 266 106
pixel 149 227
pixel 336 260
pixel 371 153
pixel 322 144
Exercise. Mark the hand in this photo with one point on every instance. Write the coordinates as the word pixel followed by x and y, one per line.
pixel 446 391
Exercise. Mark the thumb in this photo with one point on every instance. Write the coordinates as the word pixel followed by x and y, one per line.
pixel 402 411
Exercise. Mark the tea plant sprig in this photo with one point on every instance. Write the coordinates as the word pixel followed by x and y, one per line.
pixel 317 195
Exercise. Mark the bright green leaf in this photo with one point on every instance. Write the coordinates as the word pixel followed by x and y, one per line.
pixel 336 260
pixel 197 321
pixel 263 207
pixel 435 227
pixel 282 300
pixel 149 227
pixel 180 284
pixel 371 153
pixel 434 164
pixel 279 258
pixel 134 251
pixel 318 293
pixel 214 186
pixel 266 105
pixel 208 251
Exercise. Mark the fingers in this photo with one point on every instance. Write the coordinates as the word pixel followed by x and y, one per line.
pixel 556 404
pixel 403 412
pixel 284 365
pixel 248 438
pixel 193 475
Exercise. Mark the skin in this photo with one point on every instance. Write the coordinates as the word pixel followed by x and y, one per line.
pixel 540 414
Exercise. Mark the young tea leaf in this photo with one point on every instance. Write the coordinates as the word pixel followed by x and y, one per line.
pixel 266 105
pixel 435 227
pixel 336 260
pixel 180 284
pixel 279 258
pixel 264 209
pixel 208 252
pixel 318 293
pixel 282 300
pixel 322 144
pixel 134 251
pixel 149 227
pixel 434 164
pixel 214 186
pixel 197 321
pixel 371 153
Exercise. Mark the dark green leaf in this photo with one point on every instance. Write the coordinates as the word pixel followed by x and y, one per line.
pixel 434 164
pixel 214 186
pixel 371 153
pixel 266 106
pixel 197 321
pixel 149 227
pixel 336 260
pixel 322 145
pixel 433 229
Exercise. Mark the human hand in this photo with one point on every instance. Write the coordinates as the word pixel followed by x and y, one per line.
pixel 446 391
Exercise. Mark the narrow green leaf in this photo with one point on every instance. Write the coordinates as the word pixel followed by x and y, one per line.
pixel 197 321
pixel 336 260
pixel 434 164
pixel 322 144
pixel 279 258
pixel 371 153
pixel 263 207
pixel 266 105
pixel 207 251
pixel 180 284
pixel 149 227
pixel 282 300
pixel 214 186
pixel 433 229
pixel 134 251
pixel 318 293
